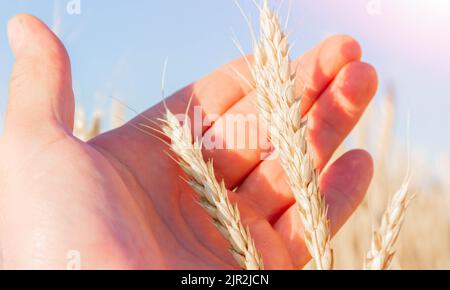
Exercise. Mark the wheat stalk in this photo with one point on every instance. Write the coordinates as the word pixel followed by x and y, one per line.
pixel 213 196
pixel 280 109
pixel 382 251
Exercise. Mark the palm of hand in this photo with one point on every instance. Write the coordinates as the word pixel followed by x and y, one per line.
pixel 119 200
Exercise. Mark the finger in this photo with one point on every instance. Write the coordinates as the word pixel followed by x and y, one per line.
pixel 238 131
pixel 266 188
pixel 332 117
pixel 208 98
pixel 317 68
pixel 338 110
pixel 265 237
pixel 344 186
pixel 40 94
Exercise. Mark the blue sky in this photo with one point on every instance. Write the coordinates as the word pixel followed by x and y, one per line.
pixel 119 47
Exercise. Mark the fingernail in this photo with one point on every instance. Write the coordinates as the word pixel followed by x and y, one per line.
pixel 16 34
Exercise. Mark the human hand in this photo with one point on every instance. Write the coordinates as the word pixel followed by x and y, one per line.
pixel 119 200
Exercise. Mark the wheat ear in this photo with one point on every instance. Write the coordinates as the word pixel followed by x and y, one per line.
pixel 280 109
pixel 82 131
pixel 213 196
pixel 382 251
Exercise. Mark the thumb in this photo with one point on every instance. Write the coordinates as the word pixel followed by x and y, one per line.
pixel 40 94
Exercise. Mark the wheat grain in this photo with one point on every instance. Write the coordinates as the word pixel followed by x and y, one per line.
pixel 213 196
pixel 280 109
pixel 382 250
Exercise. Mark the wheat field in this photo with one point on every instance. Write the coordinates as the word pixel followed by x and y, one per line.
pixel 424 242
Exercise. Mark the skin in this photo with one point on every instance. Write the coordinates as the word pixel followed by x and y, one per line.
pixel 119 200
